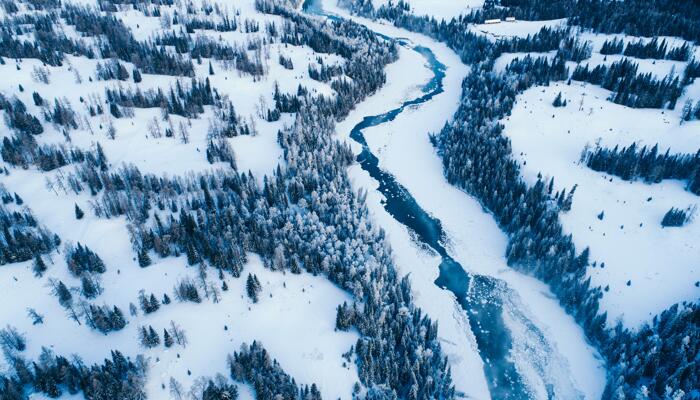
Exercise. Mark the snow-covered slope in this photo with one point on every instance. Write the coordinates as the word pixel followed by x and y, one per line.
pixel 629 240
pixel 635 256
pixel 298 309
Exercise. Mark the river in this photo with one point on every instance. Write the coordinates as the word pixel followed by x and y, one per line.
pixel 486 300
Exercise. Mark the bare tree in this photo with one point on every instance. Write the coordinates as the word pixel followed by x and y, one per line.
pixel 176 390
pixel 178 334
pixel 154 128
pixel 184 133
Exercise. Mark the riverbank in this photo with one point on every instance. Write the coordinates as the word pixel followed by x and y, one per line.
pixel 404 82
pixel 549 348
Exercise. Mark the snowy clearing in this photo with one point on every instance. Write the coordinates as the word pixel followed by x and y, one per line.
pixel 630 239
pixel 505 29
pixel 439 9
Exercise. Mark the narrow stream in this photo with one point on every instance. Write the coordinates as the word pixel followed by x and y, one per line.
pixel 483 298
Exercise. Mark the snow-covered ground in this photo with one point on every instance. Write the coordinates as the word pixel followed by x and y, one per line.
pixel 298 308
pixel 439 9
pixel 404 149
pixel 505 29
pixel 132 144
pixel 295 317
pixel 629 239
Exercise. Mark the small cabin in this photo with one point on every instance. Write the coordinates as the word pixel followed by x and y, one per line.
pixel 492 21
pixel 510 19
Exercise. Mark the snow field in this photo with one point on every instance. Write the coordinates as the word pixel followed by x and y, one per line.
pixel 629 239
pixel 297 309
pixel 295 318
pixel 133 145
pixel 515 29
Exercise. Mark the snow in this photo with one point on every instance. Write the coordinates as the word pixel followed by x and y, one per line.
pixel 439 9
pixel 291 306
pixel 515 29
pixel 403 149
pixel 659 261
pixel 295 317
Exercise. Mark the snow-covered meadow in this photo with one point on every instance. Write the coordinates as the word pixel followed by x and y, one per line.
pixel 629 243
pixel 509 29
pixel 642 267
pixel 295 317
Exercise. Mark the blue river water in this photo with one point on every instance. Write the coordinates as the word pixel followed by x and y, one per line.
pixel 480 296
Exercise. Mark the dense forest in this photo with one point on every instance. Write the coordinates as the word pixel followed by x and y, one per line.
pixel 629 87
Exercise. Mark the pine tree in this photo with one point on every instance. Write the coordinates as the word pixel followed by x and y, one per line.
pixel 137 76
pixel 294 268
pixel 117 319
pixel 167 339
pixel 144 258
pixel 38 100
pixel 90 288
pixel 78 212
pixel 558 101
pixel 153 303
pixel 39 267
pixel 65 298
pixel 211 69
pixel 149 337
pixel 114 110
pixel 153 337
pixel 252 287
pixel 343 318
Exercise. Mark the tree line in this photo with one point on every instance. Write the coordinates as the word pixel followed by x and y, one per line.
pixel 632 162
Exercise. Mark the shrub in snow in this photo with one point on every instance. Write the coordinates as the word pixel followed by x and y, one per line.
pixel 674 217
